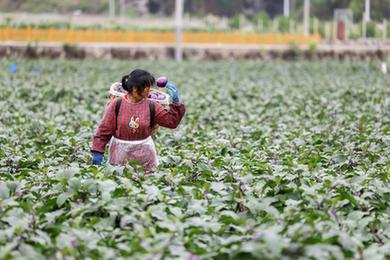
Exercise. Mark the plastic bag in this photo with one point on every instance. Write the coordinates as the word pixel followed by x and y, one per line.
pixel 143 151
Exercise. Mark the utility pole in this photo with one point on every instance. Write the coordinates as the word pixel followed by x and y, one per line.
pixel 122 6
pixel 286 8
pixel 367 11
pixel 178 27
pixel 306 15
pixel 112 8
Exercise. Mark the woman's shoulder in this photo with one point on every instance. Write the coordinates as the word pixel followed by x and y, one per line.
pixel 111 103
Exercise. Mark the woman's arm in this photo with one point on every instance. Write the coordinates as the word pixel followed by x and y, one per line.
pixel 106 128
pixel 169 118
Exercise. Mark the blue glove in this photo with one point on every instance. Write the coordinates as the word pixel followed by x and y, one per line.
pixel 12 68
pixel 173 92
pixel 97 158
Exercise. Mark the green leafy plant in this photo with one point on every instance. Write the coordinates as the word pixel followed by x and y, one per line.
pixel 272 159
pixel 372 30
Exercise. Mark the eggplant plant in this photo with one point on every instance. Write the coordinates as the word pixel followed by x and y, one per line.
pixel 272 160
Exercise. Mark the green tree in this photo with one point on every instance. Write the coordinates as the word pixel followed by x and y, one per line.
pixel 379 9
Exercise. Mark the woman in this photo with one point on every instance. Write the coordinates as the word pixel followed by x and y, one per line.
pixel 130 122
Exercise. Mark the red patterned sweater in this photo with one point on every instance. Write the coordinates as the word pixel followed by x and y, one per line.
pixel 134 121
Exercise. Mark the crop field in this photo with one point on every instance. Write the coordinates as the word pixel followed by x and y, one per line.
pixel 272 160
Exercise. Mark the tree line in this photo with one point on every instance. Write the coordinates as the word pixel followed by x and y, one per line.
pixel 322 9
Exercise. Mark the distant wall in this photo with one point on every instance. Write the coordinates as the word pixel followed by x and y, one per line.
pixel 195 52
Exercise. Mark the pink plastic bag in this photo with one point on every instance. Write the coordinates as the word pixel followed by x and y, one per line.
pixel 143 151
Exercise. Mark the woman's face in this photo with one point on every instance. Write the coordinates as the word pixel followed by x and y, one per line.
pixel 143 94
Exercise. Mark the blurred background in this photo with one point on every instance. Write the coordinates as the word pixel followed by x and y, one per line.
pixel 198 29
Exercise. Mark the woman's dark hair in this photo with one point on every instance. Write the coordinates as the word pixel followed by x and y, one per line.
pixel 137 79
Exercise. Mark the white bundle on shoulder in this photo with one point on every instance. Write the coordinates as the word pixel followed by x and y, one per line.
pixel 116 90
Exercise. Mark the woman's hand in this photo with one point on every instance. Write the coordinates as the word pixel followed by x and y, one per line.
pixel 173 92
